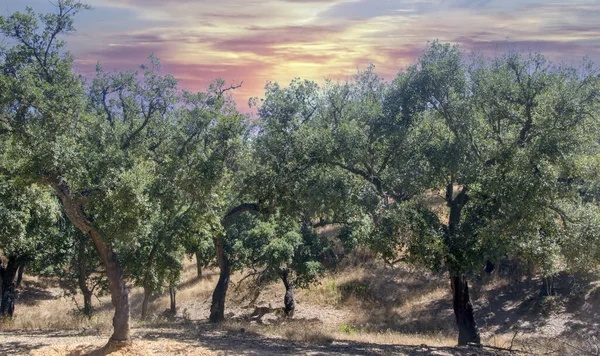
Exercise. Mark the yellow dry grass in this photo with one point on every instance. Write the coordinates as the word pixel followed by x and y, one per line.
pixel 394 338
pixel 57 314
pixel 364 302
pixel 137 348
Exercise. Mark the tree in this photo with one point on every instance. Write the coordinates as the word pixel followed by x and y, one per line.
pixel 289 179
pixel 28 213
pixel 96 164
pixel 485 131
pixel 501 136
pixel 211 141
pixel 278 247
pixel 201 247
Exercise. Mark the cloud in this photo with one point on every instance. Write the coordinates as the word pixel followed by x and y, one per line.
pixel 259 40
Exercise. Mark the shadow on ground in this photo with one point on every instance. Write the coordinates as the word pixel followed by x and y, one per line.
pixel 32 292
pixel 514 305
pixel 222 341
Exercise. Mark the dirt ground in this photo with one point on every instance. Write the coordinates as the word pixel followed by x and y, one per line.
pixel 203 339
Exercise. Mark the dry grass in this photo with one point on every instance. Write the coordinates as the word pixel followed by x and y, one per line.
pixel 54 311
pixel 58 314
pixel 363 302
pixel 421 300
pixel 299 331
pixel 315 332
pixel 137 348
pixel 395 338
pixel 311 336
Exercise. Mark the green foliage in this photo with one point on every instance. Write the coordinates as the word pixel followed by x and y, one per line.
pixel 505 134
pixel 580 240
pixel 28 215
pixel 512 140
pixel 347 328
pixel 141 161
pixel 273 244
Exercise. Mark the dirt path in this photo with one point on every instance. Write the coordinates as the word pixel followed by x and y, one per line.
pixel 201 338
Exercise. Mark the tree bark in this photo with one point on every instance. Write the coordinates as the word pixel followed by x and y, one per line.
pixel 116 281
pixel 199 265
pixel 217 308
pixel 173 295
pixel 88 308
pixel 461 300
pixel 8 274
pixel 118 292
pixel 20 274
pixel 288 300
pixel 463 311
pixel 148 290
pixel 82 278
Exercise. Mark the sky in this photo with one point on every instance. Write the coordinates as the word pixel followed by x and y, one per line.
pixel 255 41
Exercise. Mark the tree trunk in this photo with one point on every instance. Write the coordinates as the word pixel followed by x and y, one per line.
pixel 463 310
pixel 461 301
pixel 8 274
pixel 173 294
pixel 288 300
pixel 87 304
pixel 119 297
pixel 116 281
pixel 199 265
pixel 20 274
pixel 217 308
pixel 82 278
pixel 148 281
pixel 146 302
pixel 547 287
pixel 489 267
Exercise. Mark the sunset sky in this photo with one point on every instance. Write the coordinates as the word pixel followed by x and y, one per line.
pixel 255 41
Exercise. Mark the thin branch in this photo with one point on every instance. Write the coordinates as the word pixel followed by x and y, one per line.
pixel 495 348
pixel 231 87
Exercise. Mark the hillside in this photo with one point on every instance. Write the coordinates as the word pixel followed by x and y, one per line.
pixel 364 308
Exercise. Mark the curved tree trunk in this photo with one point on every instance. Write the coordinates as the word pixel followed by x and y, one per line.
pixel 288 300
pixel 463 310
pixel 119 297
pixel 217 308
pixel 20 274
pixel 82 278
pixel 116 281
pixel 8 274
pixel 199 265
